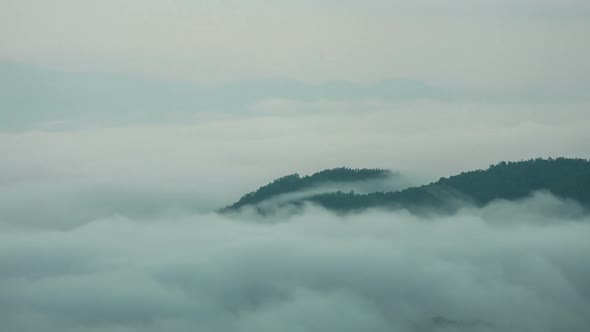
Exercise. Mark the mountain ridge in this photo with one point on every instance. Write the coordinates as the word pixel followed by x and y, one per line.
pixel 567 178
pixel 294 182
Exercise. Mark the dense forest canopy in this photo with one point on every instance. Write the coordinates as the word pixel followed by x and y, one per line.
pixel 563 177
pixel 294 182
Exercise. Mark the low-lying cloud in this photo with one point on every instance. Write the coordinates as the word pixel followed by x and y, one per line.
pixel 489 269
pixel 63 177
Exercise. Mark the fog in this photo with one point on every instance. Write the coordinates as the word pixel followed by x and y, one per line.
pixel 124 126
pixel 147 170
pixel 111 228
pixel 511 266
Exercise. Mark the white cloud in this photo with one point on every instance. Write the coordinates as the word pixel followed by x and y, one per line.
pixel 376 271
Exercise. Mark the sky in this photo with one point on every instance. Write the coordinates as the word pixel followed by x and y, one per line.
pixel 505 44
pixel 126 97
pixel 125 124
pixel 197 102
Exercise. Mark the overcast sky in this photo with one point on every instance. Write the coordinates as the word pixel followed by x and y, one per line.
pixel 431 86
pixel 490 44
pixel 182 94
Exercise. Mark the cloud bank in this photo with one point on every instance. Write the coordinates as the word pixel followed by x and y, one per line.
pixel 512 266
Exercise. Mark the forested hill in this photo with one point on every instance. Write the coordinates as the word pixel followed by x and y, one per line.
pixel 294 183
pixel 563 177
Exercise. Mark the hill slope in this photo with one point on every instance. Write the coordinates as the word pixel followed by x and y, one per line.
pixel 294 183
pixel 563 177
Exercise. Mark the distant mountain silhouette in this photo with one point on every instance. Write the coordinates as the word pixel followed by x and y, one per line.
pixel 563 177
pixel 35 97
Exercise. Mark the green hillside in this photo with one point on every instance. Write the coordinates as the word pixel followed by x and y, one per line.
pixel 563 177
pixel 294 183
